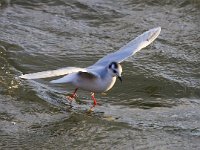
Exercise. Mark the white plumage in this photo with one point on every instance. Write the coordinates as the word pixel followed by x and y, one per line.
pixel 101 76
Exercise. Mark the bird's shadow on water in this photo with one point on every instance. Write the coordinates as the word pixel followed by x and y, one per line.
pixel 80 106
pixel 59 99
pixel 79 111
pixel 117 114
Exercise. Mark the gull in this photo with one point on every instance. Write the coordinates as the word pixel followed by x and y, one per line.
pixel 101 76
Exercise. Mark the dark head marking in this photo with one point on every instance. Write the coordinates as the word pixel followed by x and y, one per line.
pixel 113 65
pixel 114 71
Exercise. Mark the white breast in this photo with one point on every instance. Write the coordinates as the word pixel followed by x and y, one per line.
pixel 96 84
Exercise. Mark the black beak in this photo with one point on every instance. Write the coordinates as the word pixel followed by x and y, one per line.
pixel 120 78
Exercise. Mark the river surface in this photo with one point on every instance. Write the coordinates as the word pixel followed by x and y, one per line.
pixel 156 107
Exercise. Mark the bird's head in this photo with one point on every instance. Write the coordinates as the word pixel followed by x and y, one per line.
pixel 115 69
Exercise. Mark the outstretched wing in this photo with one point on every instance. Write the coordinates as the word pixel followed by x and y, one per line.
pixel 131 48
pixel 52 73
pixel 126 51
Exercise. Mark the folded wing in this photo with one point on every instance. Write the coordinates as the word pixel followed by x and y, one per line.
pixel 71 77
pixel 131 48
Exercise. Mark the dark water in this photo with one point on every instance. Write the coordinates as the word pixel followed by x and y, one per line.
pixel 156 107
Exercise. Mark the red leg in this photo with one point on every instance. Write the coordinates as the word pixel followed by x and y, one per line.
pixel 73 95
pixel 95 101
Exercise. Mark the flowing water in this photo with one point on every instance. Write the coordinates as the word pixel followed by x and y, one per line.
pixel 156 107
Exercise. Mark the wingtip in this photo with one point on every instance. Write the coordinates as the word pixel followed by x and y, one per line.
pixel 22 76
pixel 153 34
pixel 158 29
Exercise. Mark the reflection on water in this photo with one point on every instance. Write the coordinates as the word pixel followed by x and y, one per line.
pixel 156 107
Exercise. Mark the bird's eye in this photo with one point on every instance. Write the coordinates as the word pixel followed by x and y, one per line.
pixel 110 66
pixel 114 71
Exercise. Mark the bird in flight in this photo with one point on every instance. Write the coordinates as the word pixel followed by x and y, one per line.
pixel 101 76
